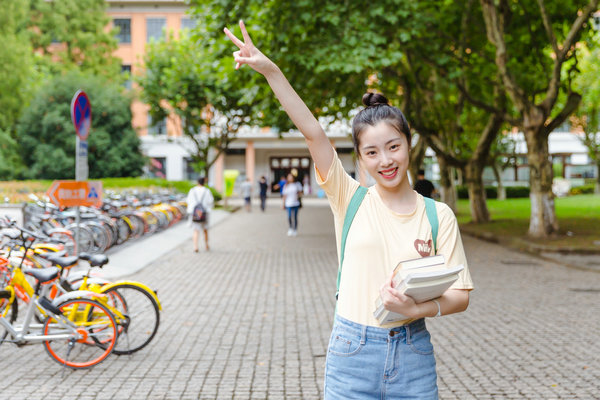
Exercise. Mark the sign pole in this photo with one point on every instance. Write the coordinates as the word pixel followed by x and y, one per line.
pixel 77 178
pixel 81 115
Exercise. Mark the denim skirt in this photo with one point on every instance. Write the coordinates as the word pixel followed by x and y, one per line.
pixel 366 362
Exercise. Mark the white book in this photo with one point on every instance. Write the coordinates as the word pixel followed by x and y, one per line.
pixel 421 286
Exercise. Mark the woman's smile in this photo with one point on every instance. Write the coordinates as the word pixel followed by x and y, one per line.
pixel 389 173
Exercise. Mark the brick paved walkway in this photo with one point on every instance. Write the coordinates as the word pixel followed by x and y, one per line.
pixel 251 320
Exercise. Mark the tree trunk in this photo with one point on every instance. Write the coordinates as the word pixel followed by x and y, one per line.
pixel 543 220
pixel 447 188
pixel 477 200
pixel 417 155
pixel 501 189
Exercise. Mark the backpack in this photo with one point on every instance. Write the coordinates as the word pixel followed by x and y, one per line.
pixel 355 202
pixel 199 213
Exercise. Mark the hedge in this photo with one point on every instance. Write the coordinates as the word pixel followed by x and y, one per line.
pixel 491 192
pixel 585 189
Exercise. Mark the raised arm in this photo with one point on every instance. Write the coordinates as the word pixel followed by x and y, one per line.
pixel 318 144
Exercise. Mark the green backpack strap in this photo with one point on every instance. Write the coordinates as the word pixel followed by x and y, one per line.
pixel 433 220
pixel 355 202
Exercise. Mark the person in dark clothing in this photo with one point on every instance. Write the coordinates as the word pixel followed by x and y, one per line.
pixel 262 186
pixel 423 186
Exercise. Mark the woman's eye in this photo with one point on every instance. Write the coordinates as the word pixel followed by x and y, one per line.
pixel 395 147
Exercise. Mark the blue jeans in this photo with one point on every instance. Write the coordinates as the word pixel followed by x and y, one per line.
pixel 366 362
pixel 293 217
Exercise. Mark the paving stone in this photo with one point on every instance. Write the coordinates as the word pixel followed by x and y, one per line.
pixel 251 319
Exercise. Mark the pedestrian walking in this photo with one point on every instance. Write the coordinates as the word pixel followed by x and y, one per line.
pixel 366 360
pixel 423 186
pixel 281 184
pixel 262 190
pixel 246 189
pixel 199 194
pixel 292 192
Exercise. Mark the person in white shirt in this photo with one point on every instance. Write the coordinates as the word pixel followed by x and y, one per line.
pixel 199 194
pixel 291 202
pixel 246 189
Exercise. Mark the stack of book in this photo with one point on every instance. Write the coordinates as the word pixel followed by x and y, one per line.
pixel 422 279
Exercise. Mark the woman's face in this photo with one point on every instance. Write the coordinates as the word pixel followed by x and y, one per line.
pixel 290 178
pixel 384 153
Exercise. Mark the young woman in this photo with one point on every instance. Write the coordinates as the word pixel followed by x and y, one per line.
pixel 366 360
pixel 292 191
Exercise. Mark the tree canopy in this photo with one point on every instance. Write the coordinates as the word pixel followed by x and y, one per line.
pixel 47 135
pixel 204 96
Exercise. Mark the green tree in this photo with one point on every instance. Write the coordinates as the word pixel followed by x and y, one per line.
pixel 72 34
pixel 47 135
pixel 535 53
pixel 16 59
pixel 587 117
pixel 10 162
pixel 203 95
pixel 415 52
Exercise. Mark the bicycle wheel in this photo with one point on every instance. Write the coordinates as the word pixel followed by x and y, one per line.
pixel 123 229
pixel 86 237
pixel 9 309
pixel 95 339
pixel 137 316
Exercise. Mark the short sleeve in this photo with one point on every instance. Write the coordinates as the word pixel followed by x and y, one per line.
pixel 338 185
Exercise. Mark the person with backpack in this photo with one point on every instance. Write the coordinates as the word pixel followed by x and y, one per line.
pixel 390 224
pixel 200 202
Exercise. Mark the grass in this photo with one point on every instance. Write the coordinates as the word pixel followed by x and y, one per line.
pixel 18 191
pixel 578 220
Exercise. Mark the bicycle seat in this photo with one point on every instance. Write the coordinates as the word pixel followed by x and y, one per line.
pixel 11 234
pixel 64 262
pixel 60 253
pixel 43 275
pixel 95 260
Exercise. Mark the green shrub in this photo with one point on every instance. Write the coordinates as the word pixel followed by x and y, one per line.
pixel 462 192
pixel 514 192
pixel 585 189
pixel 179 186
pixel 491 192
pixel 216 194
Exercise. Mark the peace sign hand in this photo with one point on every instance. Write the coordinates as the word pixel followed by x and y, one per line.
pixel 248 54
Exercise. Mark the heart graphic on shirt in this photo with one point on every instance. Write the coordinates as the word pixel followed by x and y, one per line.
pixel 423 247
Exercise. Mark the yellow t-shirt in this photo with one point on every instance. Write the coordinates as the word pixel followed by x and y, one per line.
pixel 379 239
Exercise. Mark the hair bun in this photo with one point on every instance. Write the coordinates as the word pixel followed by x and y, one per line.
pixel 374 99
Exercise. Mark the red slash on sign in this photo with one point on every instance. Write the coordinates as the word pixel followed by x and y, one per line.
pixel 81 114
pixel 76 193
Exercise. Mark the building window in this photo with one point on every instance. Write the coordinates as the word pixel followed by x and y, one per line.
pixel 126 70
pixel 156 167
pixel 190 173
pixel 188 23
pixel 564 127
pixel 157 128
pixel 123 26
pixel 155 28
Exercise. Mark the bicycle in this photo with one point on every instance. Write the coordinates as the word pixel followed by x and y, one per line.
pixel 79 332
pixel 134 305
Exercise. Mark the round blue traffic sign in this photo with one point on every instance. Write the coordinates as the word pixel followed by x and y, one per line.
pixel 81 114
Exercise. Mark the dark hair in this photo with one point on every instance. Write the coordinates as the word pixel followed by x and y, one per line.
pixel 201 180
pixel 421 172
pixel 378 109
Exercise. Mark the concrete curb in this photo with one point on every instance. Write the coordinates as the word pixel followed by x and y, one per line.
pixel 133 257
pixel 561 255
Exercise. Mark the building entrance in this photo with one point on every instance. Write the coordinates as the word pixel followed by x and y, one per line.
pixel 282 166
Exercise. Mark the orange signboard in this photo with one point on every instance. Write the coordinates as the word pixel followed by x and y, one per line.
pixel 75 193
